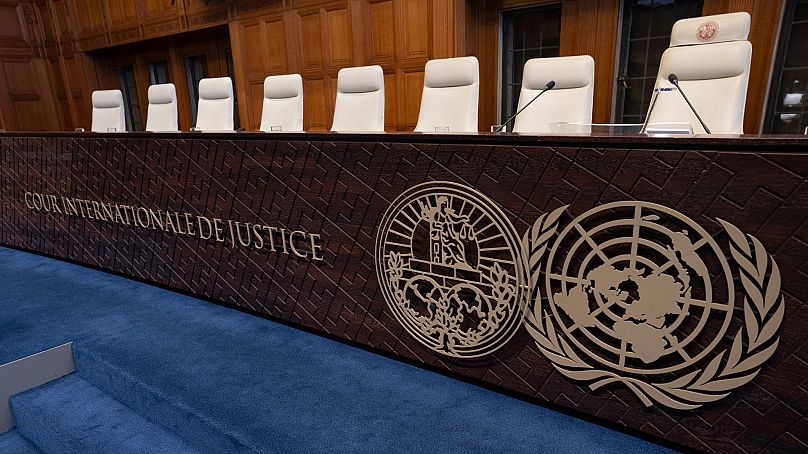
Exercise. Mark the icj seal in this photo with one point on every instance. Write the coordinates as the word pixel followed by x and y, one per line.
pixel 451 270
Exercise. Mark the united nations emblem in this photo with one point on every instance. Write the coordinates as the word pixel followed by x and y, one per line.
pixel 639 294
pixel 451 269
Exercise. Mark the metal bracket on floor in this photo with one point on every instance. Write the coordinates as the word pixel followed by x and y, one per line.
pixel 29 372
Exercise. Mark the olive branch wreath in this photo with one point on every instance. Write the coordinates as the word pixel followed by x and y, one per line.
pixel 763 309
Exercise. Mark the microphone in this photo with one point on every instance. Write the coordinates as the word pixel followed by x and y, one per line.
pixel 675 81
pixel 549 86
pixel 650 109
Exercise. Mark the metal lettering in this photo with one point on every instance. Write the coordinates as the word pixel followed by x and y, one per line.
pixel 292 243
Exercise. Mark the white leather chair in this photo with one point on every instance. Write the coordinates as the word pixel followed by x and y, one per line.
pixel 569 101
pixel 450 96
pixel 108 111
pixel 215 111
pixel 283 103
pixel 711 57
pixel 162 115
pixel 360 100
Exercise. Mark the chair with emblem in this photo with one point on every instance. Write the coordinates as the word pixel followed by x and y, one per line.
pixel 570 100
pixel 108 113
pixel 711 57
pixel 162 114
pixel 216 105
pixel 283 104
pixel 450 96
pixel 360 100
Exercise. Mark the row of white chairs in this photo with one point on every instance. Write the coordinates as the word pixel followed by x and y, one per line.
pixel 710 55
pixel 451 90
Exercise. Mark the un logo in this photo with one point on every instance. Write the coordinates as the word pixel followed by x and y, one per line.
pixel 639 294
pixel 639 287
pixel 451 269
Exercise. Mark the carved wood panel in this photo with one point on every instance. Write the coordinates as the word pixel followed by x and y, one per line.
pixel 340 187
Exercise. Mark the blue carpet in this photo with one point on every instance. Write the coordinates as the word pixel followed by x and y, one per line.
pixel 70 405
pixel 12 442
pixel 224 381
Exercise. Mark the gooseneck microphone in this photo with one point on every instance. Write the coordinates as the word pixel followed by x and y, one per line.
pixel 549 86
pixel 675 81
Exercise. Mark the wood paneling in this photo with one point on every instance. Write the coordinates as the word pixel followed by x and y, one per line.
pixel 413 87
pixel 122 21
pixel 382 41
pixel 338 185
pixel 390 101
pixel 160 17
pixel 312 39
pixel 416 29
pixel 339 37
pixel 314 107
pixel 204 13
pixel 589 27
pixel 276 47
pixel 9 22
pixel 87 19
pixel 27 98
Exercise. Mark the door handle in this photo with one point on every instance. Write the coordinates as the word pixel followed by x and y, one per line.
pixel 625 81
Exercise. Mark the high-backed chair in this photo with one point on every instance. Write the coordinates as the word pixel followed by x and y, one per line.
pixel 570 100
pixel 108 113
pixel 215 112
pixel 711 57
pixel 283 103
pixel 450 96
pixel 360 100
pixel 162 114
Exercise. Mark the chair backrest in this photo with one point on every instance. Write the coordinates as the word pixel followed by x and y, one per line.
pixel 569 101
pixel 108 111
pixel 215 112
pixel 360 100
pixel 283 103
pixel 711 58
pixel 162 115
pixel 450 96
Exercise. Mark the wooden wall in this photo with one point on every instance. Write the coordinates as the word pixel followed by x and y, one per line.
pixel 26 96
pixel 52 51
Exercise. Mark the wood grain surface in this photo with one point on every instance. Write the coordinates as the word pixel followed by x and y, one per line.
pixel 340 185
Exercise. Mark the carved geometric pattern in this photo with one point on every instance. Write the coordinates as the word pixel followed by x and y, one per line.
pixel 341 186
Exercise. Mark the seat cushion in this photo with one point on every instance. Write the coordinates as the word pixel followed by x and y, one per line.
pixel 285 86
pixel 363 79
pixel 567 72
pixel 107 99
pixel 216 88
pixel 451 72
pixel 162 94
pixel 715 61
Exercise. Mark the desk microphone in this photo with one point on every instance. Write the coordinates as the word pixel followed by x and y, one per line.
pixel 549 86
pixel 675 81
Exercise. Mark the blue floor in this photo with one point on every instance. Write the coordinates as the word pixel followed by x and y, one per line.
pixel 176 372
